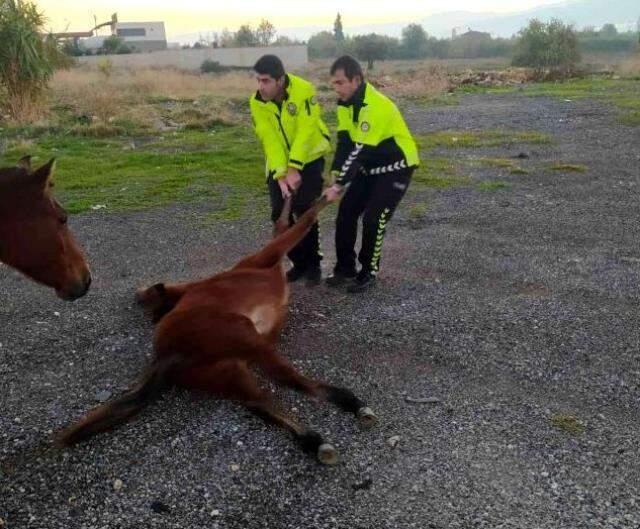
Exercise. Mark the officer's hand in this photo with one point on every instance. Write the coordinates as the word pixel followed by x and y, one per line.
pixel 284 187
pixel 294 180
pixel 333 192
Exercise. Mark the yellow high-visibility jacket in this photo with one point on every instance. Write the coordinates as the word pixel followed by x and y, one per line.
pixel 372 137
pixel 292 133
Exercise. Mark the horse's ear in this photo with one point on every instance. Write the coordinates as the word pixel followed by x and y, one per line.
pixel 25 163
pixel 43 174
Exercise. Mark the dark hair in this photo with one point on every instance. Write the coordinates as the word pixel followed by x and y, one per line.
pixel 349 66
pixel 269 65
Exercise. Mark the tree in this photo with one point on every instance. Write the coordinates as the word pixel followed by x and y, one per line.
pixel 283 40
pixel 609 30
pixel 371 48
pixel 227 38
pixel 27 59
pixel 245 37
pixel 265 33
pixel 322 45
pixel 552 46
pixel 113 45
pixel 414 42
pixel 338 33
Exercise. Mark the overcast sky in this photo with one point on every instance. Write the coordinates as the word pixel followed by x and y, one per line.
pixel 196 15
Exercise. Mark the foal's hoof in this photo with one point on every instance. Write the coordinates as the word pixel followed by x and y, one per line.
pixel 327 454
pixel 367 418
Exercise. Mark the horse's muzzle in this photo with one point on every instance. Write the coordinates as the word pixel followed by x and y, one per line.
pixel 77 290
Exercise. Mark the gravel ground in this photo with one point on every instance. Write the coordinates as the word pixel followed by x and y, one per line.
pixel 511 309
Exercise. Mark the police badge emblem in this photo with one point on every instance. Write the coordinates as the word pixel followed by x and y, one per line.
pixel 364 126
pixel 292 108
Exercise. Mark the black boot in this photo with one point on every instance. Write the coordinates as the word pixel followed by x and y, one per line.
pixel 313 275
pixel 295 273
pixel 364 281
pixel 340 277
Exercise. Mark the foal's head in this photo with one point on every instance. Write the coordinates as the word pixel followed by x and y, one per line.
pixel 34 236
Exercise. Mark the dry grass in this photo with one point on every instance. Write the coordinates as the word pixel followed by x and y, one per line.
pixel 419 83
pixel 631 66
pixel 149 99
pixel 159 83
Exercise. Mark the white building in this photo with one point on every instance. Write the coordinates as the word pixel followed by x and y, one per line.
pixel 142 36
pixel 138 36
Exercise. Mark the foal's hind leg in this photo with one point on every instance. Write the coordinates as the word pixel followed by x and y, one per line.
pixel 279 370
pixel 232 380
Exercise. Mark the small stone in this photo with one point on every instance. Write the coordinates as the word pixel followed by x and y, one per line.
pixel 425 400
pixel 117 484
pixel 393 441
pixel 56 314
pixel 160 508
pixel 364 484
pixel 215 512
pixel 235 468
pixel 103 396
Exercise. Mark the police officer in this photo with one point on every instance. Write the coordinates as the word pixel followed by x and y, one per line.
pixel 286 117
pixel 375 157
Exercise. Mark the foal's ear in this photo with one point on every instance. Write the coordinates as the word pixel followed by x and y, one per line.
pixel 43 174
pixel 25 163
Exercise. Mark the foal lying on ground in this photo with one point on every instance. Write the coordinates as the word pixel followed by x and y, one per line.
pixel 210 332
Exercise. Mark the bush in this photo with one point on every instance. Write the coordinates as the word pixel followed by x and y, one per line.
pixel 209 66
pixel 551 47
pixel 27 59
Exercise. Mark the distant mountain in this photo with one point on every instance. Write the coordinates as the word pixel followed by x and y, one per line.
pixel 581 13
pixel 624 13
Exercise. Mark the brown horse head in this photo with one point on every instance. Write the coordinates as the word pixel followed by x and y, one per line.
pixel 34 236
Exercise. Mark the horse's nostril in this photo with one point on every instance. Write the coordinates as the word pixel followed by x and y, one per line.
pixel 87 281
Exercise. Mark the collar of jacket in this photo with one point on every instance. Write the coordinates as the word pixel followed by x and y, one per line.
pixel 287 82
pixel 356 101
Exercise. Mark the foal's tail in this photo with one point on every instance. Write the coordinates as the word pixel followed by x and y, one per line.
pixel 109 415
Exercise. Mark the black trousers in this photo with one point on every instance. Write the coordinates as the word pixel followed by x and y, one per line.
pixel 375 198
pixel 307 253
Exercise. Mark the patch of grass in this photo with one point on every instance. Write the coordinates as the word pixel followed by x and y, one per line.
pixel 182 167
pixel 567 423
pixel 439 173
pixel 441 100
pixel 479 139
pixel 623 93
pixel 477 89
pixel 631 118
pixel 569 168
pixel 417 211
pixel 493 185
pixel 503 163
pixel 97 130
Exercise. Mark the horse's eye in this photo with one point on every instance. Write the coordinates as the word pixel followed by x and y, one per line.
pixel 63 219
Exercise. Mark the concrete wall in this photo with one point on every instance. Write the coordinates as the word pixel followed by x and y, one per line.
pixel 292 56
